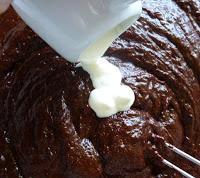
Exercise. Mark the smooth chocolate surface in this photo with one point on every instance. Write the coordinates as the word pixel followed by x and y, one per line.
pixel 47 129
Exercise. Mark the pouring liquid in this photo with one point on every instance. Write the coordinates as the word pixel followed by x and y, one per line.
pixel 109 95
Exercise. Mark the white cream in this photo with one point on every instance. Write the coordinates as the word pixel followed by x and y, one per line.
pixel 109 100
pixel 109 95
pixel 102 73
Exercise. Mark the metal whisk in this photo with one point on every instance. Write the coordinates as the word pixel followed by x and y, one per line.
pixel 183 154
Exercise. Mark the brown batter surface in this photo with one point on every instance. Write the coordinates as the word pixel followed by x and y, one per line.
pixel 47 129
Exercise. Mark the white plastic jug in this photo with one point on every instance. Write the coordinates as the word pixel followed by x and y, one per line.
pixel 71 26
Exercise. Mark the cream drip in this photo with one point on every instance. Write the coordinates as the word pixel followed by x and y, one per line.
pixel 110 95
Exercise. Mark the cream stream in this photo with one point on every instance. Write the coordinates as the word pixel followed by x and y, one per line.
pixel 110 95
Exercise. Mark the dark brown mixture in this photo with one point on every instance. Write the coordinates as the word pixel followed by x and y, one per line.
pixel 47 129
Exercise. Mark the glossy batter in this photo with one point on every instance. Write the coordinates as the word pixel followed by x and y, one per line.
pixel 47 129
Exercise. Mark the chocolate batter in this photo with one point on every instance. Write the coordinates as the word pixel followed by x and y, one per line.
pixel 47 129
